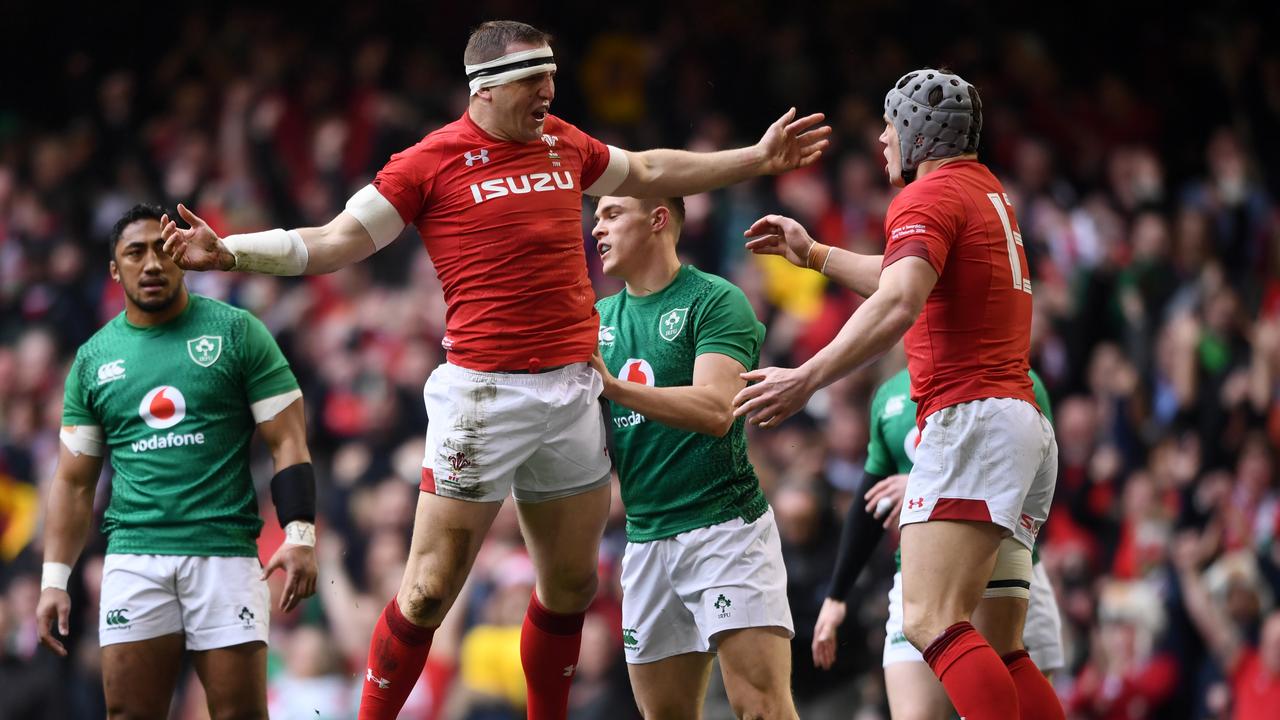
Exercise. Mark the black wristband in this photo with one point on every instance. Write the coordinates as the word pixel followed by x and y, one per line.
pixel 293 490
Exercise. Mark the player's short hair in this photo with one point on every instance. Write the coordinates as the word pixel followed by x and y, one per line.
pixel 490 39
pixel 141 211
pixel 674 204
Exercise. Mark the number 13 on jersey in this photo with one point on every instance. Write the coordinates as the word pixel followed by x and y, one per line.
pixel 1013 238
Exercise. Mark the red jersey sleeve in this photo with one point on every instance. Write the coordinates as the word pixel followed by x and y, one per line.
pixel 923 227
pixel 407 178
pixel 595 154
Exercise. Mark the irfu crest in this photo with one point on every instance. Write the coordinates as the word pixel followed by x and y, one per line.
pixel 205 350
pixel 671 323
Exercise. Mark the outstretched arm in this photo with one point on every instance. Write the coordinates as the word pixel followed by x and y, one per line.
pixel 874 327
pixel 787 144
pixel 304 251
pixel 68 515
pixel 780 235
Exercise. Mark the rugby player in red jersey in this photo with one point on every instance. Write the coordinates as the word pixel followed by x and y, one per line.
pixel 497 199
pixel 954 280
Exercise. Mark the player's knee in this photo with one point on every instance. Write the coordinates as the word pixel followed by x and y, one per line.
pixel 570 592
pixel 423 604
pixel 757 703
pixel 922 627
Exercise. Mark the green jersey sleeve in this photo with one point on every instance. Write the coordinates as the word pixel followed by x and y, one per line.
pixel 1042 396
pixel 879 459
pixel 727 324
pixel 75 406
pixel 266 372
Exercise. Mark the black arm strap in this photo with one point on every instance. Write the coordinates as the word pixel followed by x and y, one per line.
pixel 293 490
pixel 859 537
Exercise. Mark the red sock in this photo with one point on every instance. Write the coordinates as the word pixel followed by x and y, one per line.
pixel 977 682
pixel 549 644
pixel 397 654
pixel 1036 696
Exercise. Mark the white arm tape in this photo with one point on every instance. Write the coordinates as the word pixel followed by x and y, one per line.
pixel 267 408
pixel 55 575
pixel 300 532
pixel 82 440
pixel 614 173
pixel 378 216
pixel 273 252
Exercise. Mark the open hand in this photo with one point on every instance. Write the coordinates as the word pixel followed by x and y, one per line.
pixel 197 247
pixel 789 143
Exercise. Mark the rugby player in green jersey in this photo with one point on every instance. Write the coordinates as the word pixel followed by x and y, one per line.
pixel 703 570
pixel 174 387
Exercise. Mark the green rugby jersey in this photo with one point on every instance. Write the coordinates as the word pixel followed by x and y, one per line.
pixel 173 402
pixel 891 449
pixel 674 480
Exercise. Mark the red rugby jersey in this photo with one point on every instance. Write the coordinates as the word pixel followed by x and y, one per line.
pixel 973 338
pixel 502 222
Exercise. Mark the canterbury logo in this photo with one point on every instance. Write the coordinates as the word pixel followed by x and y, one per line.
pixel 117 617
pixel 521 185
pixel 481 156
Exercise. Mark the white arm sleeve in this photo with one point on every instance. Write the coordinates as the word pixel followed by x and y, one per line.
pixel 378 216
pixel 614 173
pixel 267 408
pixel 82 440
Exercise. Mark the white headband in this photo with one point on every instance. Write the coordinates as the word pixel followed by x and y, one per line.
pixel 509 68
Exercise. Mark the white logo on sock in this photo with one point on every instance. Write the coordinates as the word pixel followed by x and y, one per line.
pixel 382 683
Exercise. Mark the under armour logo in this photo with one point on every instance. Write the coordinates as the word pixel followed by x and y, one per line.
pixel 382 683
pixel 568 670
pixel 915 503
pixel 481 156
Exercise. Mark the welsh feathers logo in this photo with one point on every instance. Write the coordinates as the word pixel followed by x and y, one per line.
pixel 163 407
pixel 671 323
pixel 638 371
pixel 205 350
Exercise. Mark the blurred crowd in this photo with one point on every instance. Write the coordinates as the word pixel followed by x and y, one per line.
pixel 1143 174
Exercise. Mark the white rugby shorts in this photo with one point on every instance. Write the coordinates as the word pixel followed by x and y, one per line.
pixel 992 460
pixel 1041 635
pixel 535 436
pixel 680 592
pixel 215 602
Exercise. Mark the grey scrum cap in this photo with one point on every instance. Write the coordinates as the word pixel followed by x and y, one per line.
pixel 937 115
